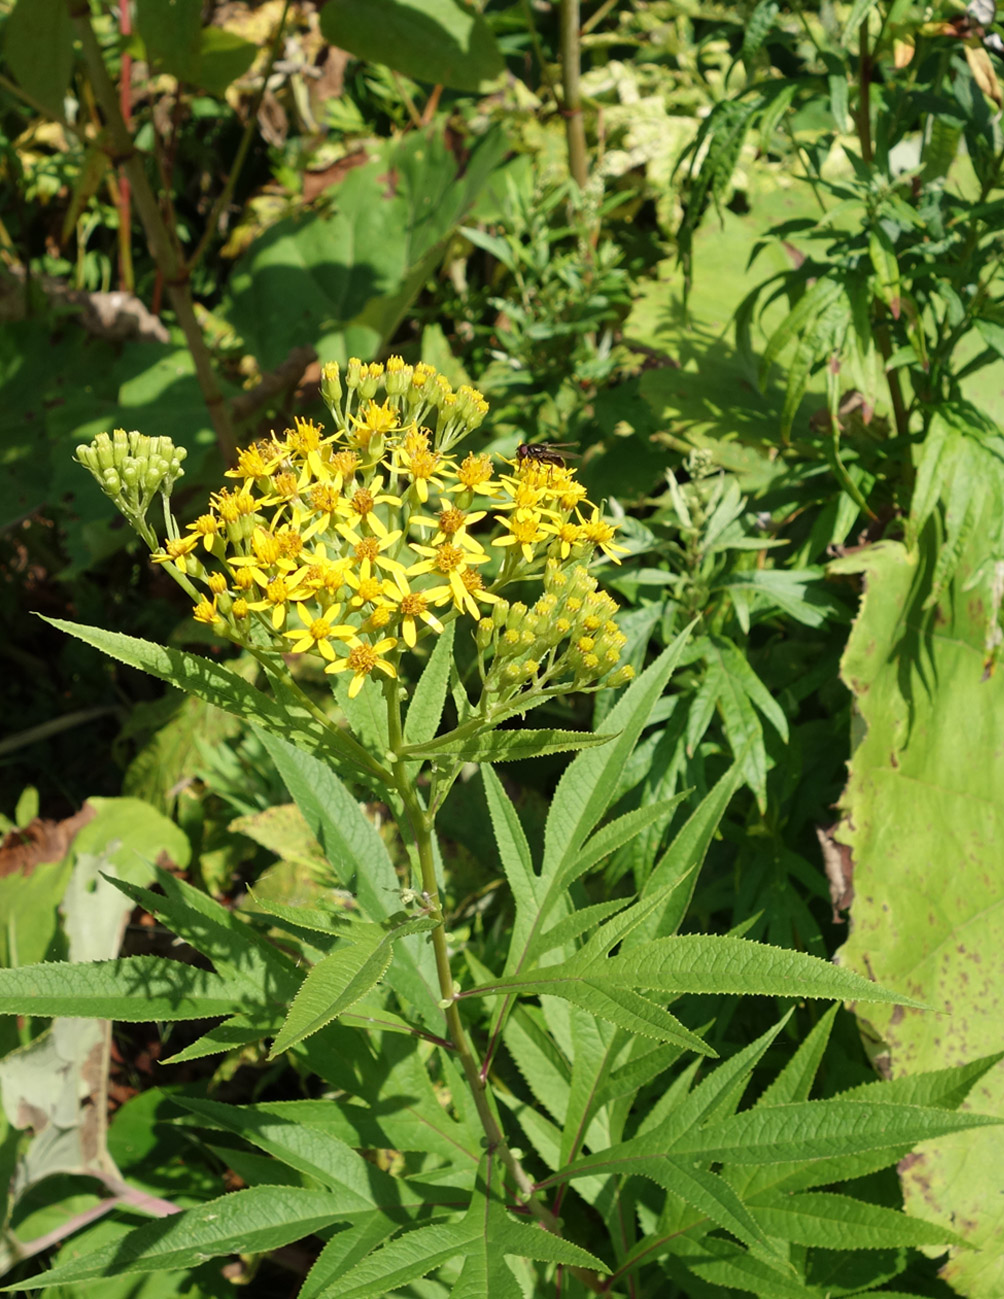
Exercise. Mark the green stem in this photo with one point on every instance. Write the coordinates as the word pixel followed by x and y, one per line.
pixel 422 824
pixel 864 115
pixel 571 98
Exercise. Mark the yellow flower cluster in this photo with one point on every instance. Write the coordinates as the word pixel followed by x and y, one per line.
pixel 355 544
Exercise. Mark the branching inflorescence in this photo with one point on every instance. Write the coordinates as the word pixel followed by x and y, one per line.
pixel 355 545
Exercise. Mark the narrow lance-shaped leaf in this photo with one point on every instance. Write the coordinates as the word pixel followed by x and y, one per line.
pixel 829 1221
pixel 705 963
pixel 247 1222
pixel 340 980
pixel 677 869
pixel 217 684
pixel 484 1236
pixel 133 989
pixel 228 941
pixel 506 746
pixel 353 846
pixel 426 708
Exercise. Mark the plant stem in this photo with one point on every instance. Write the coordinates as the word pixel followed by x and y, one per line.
pixel 162 247
pixel 124 204
pixel 899 411
pixel 571 98
pixel 422 825
pixel 864 93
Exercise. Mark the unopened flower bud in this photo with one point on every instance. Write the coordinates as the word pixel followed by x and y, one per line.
pixel 331 384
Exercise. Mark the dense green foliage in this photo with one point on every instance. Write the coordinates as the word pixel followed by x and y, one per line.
pixel 770 327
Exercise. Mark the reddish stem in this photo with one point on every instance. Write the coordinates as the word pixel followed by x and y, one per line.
pixel 125 191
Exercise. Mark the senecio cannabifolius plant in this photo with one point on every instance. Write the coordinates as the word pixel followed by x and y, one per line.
pixel 357 547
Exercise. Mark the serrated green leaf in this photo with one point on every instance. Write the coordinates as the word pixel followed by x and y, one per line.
pixel 589 783
pixel 618 832
pixel 354 847
pixel 337 982
pixel 506 746
pixel 677 870
pixel 514 851
pixel 830 1221
pixel 247 1222
pixel 308 1148
pixel 217 684
pixel 703 963
pixel 815 1129
pixel 133 989
pixel 237 952
pixel 237 1031
pixel 484 1236
pixel 577 923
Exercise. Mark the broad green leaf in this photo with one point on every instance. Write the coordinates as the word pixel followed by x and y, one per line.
pixel 435 41
pixel 247 1222
pixel 830 1221
pixel 38 49
pixel 507 746
pixel 217 684
pixel 427 699
pixel 340 980
pixel 172 34
pixel 224 56
pixel 992 334
pixel 345 278
pixel 924 821
pixel 134 989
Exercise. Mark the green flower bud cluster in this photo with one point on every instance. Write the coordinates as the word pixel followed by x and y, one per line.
pixel 567 641
pixel 132 469
pixel 411 392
